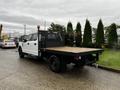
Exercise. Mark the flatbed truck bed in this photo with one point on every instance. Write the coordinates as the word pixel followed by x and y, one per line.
pixel 73 50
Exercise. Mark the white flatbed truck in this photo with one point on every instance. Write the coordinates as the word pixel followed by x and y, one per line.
pixel 50 47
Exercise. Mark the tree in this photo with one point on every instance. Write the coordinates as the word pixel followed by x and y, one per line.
pixel 78 35
pixel 5 37
pixel 87 37
pixel 100 34
pixel 69 27
pixel 70 34
pixel 112 35
pixel 56 28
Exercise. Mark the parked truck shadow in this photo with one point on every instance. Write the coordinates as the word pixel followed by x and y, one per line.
pixel 70 67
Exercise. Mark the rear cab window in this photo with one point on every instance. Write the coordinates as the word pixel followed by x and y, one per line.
pixel 54 37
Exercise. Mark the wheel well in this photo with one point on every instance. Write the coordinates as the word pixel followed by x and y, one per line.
pixel 52 56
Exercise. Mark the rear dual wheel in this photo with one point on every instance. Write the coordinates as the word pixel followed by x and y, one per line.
pixel 56 64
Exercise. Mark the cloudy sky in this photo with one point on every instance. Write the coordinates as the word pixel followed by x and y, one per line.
pixel 15 13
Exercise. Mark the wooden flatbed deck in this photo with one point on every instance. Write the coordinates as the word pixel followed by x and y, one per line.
pixel 73 50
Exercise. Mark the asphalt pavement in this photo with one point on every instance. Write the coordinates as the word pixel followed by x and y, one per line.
pixel 32 74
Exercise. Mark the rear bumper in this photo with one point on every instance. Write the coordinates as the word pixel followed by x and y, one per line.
pixel 85 59
pixel 85 62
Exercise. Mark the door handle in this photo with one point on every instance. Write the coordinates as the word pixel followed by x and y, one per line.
pixel 34 43
pixel 27 43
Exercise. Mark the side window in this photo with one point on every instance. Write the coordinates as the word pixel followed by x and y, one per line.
pixel 22 38
pixel 34 37
pixel 41 37
pixel 51 37
pixel 29 37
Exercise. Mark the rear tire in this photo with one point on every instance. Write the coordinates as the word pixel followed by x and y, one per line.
pixel 56 65
pixel 21 54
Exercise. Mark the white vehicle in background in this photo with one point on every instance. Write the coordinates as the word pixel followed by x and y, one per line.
pixel 8 44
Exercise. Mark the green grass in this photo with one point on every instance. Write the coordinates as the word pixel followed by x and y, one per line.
pixel 110 58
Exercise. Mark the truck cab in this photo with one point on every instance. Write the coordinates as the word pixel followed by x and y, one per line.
pixel 32 43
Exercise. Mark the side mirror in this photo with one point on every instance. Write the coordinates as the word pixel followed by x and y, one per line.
pixel 24 40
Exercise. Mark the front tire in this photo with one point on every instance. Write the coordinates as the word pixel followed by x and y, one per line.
pixel 21 54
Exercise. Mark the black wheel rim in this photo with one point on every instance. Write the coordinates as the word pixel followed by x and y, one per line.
pixel 55 64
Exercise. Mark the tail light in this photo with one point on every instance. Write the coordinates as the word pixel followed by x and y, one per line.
pixel 77 57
